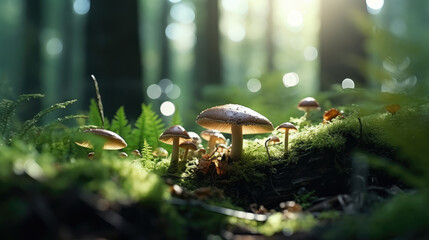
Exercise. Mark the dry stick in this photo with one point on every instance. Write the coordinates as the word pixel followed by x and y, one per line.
pixel 99 103
pixel 271 168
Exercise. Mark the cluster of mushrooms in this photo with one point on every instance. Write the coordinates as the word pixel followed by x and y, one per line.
pixel 234 119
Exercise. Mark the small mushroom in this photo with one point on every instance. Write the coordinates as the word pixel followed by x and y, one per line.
pixel 286 127
pixel 331 114
pixel 123 155
pixel 213 137
pixel 236 120
pixel 308 104
pixel 174 135
pixel 195 138
pixel 136 153
pixel 112 141
pixel 393 108
pixel 91 155
pixel 187 145
pixel 273 139
pixel 160 152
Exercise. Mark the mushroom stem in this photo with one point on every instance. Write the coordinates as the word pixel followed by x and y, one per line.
pixel 174 156
pixel 237 141
pixel 211 144
pixel 286 140
pixel 185 155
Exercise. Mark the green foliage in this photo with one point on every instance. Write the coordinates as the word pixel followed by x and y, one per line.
pixel 32 122
pixel 305 199
pixel 147 127
pixel 94 114
pixel 7 110
pixel 120 124
pixel 147 157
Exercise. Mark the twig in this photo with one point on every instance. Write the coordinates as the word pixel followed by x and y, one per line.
pixel 99 103
pixel 271 167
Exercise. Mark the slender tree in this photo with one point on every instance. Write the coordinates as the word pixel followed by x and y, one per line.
pixel 113 54
pixel 341 42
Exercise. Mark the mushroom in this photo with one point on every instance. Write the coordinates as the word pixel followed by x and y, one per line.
pixel 112 141
pixel 136 153
pixel 393 108
pixel 331 114
pixel 160 152
pixel 195 138
pixel 285 127
pixel 187 145
pixel 123 155
pixel 213 137
pixel 236 120
pixel 174 135
pixel 273 139
pixel 307 104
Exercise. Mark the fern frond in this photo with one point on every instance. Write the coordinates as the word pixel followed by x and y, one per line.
pixel 30 123
pixel 94 115
pixel 148 126
pixel 66 118
pixel 120 124
pixel 7 108
pixel 146 151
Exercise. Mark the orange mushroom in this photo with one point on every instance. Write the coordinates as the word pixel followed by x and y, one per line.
pixel 393 108
pixel 331 114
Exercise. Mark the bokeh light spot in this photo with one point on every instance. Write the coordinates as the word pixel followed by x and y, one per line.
pixel 81 7
pixel 236 33
pixel 54 46
pixel 348 83
pixel 182 13
pixel 310 53
pixel 164 83
pixel 254 85
pixel 374 6
pixel 295 18
pixel 290 79
pixel 172 91
pixel 154 91
pixel 167 108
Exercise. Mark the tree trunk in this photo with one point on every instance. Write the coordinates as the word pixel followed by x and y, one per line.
pixel 341 43
pixel 32 55
pixel 113 55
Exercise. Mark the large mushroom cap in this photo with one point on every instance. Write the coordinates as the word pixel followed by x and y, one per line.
pixel 222 117
pixel 287 125
pixel 174 131
pixel 308 103
pixel 112 140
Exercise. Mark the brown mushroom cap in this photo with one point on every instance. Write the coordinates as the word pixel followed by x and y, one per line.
pixel 188 145
pixel 174 131
pixel 207 134
pixel 112 140
pixel 222 117
pixel 195 137
pixel 284 126
pixel 308 104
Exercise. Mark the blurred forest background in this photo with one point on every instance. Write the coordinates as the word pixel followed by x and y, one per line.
pixel 187 55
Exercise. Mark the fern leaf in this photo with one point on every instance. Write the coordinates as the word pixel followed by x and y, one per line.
pixel 94 115
pixel 120 124
pixel 30 123
pixel 148 126
pixel 7 108
pixel 146 152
